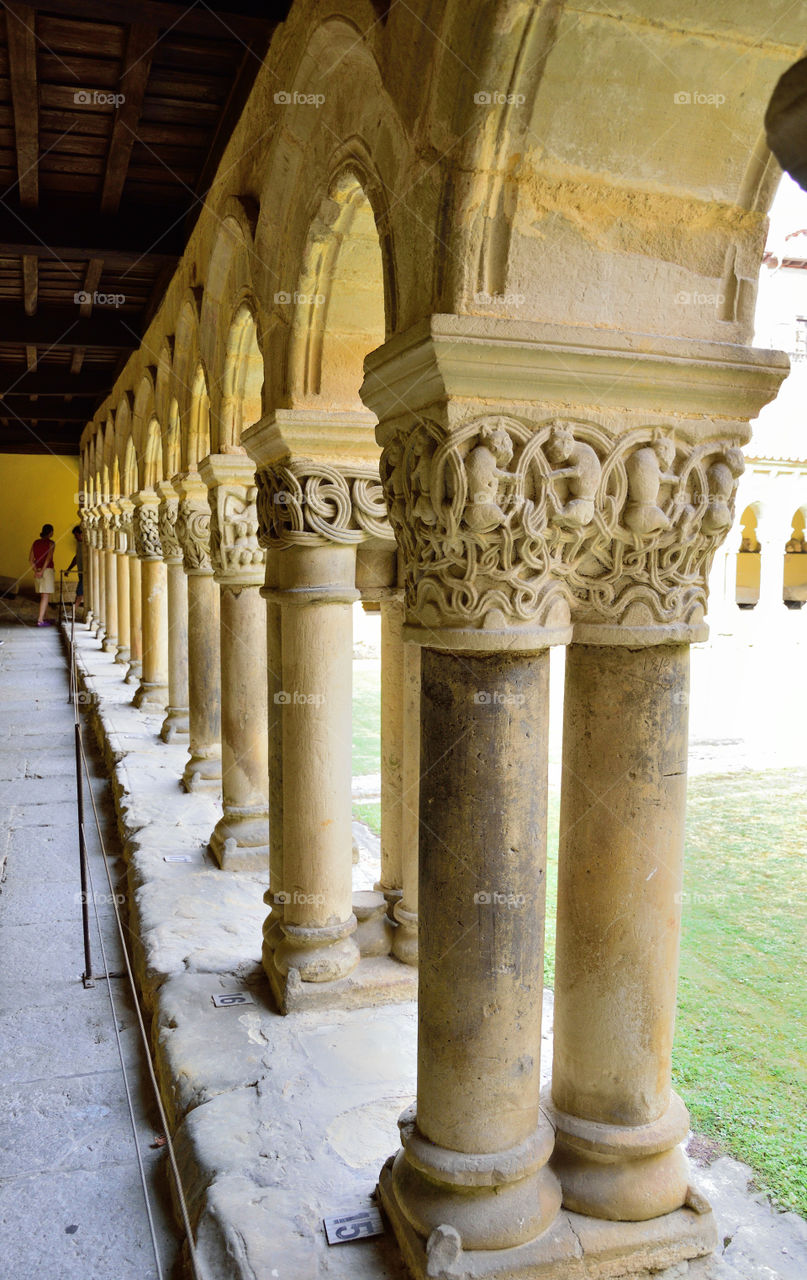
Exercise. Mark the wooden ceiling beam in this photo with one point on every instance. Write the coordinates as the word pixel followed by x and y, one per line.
pixel 239 18
pixel 22 73
pixel 145 234
pixel 66 327
pixel 132 89
pixel 15 384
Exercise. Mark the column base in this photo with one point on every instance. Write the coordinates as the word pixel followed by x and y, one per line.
pixel 376 980
pixel 175 726
pixel 572 1248
pixel 122 654
pixel 405 940
pixel 374 931
pixel 202 773
pixel 240 841
pixel 135 673
pixel 628 1173
pixel 110 644
pixel 150 697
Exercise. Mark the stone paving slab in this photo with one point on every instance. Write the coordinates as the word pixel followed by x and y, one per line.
pixel 282 1120
pixel 86 1224
pixel 71 1201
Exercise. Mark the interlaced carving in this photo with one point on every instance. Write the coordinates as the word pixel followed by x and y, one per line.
pixel 303 503
pixel 234 546
pixel 193 531
pixel 147 533
pixel 503 523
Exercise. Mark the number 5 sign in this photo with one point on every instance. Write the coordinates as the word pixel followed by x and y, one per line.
pixel 352 1226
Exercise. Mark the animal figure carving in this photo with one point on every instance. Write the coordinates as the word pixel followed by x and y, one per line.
pixel 581 473
pixel 647 470
pixel 484 474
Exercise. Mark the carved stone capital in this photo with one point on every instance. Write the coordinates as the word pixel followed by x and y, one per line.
pixel 146 525
pixel 510 526
pixel 126 540
pixel 168 513
pixel 317 479
pixel 238 559
pixel 518 519
pixel 306 503
pixel 193 524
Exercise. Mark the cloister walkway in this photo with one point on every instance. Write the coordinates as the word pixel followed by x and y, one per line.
pixel 71 1199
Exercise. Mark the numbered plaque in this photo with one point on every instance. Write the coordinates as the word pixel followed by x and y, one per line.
pixel 353 1226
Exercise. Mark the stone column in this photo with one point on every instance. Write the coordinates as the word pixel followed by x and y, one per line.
pixel 123 652
pixel 152 692
pixel 392 764
pixel 313 515
pixel 99 576
pixel 89 590
pixel 240 840
pixel 405 911
pixel 619 1125
pixel 514 519
pixel 176 724
pixel 272 932
pixel 203 769
pixel 110 571
pixel 135 668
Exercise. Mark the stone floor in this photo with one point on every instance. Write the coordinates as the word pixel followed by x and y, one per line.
pixel 281 1121
pixel 71 1199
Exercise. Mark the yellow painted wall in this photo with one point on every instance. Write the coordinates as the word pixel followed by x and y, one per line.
pixel 35 490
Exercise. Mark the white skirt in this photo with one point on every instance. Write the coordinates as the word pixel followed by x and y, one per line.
pixel 46 582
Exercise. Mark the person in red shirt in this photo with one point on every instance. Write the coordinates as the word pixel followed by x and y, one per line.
pixel 41 557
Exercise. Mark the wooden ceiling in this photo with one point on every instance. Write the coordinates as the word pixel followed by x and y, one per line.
pixel 113 118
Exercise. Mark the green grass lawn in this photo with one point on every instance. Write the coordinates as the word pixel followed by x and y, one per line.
pixel 740 1056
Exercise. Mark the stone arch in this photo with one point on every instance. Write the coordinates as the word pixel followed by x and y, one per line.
pixel 130 472
pixel 187 360
pixel 111 471
pixel 172 443
pixel 338 305
pixel 311 148
pixel 143 410
pixel 241 401
pixel 228 285
pixel 162 380
pixel 152 466
pixel 123 434
pixel 196 442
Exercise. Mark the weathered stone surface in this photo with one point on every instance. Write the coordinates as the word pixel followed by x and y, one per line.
pixel 282 1120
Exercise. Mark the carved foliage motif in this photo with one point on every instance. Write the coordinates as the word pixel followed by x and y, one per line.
pixel 193 531
pixel 147 533
pixel 503 523
pixel 169 510
pixel 234 532
pixel 302 503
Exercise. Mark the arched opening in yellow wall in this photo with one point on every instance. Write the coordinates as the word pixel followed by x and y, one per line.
pixel 748 561
pixel 795 588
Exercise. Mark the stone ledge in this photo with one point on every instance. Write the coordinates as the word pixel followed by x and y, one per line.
pixel 279 1121
pixel 573 1248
